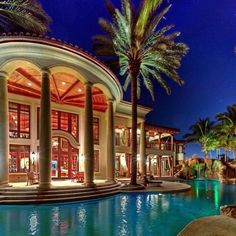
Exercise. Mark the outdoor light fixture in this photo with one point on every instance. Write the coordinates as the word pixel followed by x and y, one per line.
pixel 33 157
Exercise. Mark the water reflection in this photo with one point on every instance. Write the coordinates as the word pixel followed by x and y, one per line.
pixel 33 223
pixel 125 214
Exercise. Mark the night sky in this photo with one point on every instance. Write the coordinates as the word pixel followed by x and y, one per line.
pixel 208 27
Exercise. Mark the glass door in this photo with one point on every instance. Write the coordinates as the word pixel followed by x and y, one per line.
pixel 55 157
pixel 74 162
pixel 64 159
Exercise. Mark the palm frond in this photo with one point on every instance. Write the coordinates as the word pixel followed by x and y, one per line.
pixel 139 44
pixel 151 27
pixel 127 82
pixel 23 15
pixel 106 26
pixel 146 11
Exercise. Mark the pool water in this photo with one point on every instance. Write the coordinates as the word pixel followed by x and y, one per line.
pixel 124 214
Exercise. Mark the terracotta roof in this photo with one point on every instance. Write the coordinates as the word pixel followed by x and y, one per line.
pixel 161 129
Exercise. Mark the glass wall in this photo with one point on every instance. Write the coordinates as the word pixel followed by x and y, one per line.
pixel 19 120
pixel 95 130
pixel 19 158
pixel 65 121
pixel 122 137
pixel 64 158
pixel 96 160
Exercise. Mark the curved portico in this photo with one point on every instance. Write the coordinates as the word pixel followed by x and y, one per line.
pixel 50 79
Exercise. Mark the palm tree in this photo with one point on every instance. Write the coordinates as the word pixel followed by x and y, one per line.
pixel 143 51
pixel 23 15
pixel 226 129
pixel 202 132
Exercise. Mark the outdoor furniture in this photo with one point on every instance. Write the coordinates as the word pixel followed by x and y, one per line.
pixel 151 182
pixel 154 183
pixel 32 178
pixel 78 177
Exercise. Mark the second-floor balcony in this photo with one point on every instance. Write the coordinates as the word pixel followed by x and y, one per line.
pixel 156 145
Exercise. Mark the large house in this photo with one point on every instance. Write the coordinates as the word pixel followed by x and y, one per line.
pixel 61 112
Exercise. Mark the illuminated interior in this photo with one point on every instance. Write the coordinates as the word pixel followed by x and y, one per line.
pixel 65 88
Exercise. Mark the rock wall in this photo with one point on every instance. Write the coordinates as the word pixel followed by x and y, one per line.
pixel 194 168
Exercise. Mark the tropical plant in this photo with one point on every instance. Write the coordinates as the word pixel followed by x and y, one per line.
pixel 23 15
pixel 226 129
pixel 143 50
pixel 202 132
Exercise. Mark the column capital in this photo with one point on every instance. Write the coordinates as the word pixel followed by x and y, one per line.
pixel 110 100
pixel 88 83
pixel 142 122
pixel 45 70
pixel 3 73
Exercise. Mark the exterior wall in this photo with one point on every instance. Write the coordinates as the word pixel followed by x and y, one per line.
pixel 119 121
pixel 34 143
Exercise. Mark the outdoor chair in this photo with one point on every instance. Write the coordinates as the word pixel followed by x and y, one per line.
pixel 32 178
pixel 151 182
pixel 78 177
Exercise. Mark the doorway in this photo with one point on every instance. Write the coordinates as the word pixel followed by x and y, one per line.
pixel 64 158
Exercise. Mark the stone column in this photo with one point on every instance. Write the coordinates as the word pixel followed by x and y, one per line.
pixel 110 143
pixel 160 165
pixel 88 137
pixel 4 130
pixel 159 141
pixel 143 149
pixel 172 166
pixel 45 138
pixel 172 142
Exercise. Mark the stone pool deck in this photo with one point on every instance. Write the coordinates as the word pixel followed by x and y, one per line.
pixel 62 191
pixel 211 226
pixel 165 187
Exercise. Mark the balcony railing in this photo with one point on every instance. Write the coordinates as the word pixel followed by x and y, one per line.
pixel 155 145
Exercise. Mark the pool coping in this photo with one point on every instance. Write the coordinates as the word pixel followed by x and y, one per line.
pixel 165 187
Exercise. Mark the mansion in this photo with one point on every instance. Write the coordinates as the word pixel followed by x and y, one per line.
pixel 62 113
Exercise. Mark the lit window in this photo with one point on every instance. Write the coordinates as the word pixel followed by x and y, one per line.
pixel 95 130
pixel 19 158
pixel 64 121
pixel 19 120
pixel 96 160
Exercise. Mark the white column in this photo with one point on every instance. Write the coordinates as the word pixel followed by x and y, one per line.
pixel 88 137
pixel 4 130
pixel 172 142
pixel 110 143
pixel 159 141
pixel 143 149
pixel 45 138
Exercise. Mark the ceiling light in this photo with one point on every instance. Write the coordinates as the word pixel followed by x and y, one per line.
pixel 29 84
pixel 63 83
pixel 79 90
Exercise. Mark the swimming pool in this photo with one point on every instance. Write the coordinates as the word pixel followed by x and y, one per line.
pixel 121 215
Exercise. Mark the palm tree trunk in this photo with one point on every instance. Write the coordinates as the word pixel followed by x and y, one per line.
pixel 134 74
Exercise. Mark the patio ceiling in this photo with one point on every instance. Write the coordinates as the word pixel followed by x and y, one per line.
pixel 65 88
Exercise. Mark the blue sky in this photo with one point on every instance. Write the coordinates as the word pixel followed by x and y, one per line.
pixel 209 70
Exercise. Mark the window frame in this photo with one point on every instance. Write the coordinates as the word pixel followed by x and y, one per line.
pixel 19 108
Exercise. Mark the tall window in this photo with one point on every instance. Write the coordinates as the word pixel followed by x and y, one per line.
pixel 19 120
pixel 65 121
pixel 19 158
pixel 96 160
pixel 95 130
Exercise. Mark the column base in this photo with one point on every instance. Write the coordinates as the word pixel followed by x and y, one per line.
pixel 5 185
pixel 90 185
pixel 44 186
